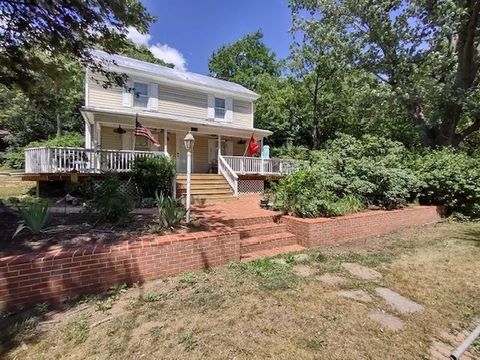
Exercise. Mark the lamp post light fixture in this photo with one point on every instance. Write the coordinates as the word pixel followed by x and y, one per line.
pixel 188 141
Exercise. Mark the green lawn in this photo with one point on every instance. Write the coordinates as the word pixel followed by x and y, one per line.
pixel 14 186
pixel 264 310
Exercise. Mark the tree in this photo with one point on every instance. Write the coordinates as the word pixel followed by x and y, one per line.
pixel 244 60
pixel 31 29
pixel 424 53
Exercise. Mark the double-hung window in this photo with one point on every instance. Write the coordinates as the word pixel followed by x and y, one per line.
pixel 219 108
pixel 140 95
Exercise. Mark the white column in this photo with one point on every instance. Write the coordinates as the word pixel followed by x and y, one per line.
pixel 88 135
pixel 261 155
pixel 219 151
pixel 165 140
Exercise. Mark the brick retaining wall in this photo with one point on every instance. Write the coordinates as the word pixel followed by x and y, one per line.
pixel 327 231
pixel 57 274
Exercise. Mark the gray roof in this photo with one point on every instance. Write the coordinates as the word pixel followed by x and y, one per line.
pixel 172 74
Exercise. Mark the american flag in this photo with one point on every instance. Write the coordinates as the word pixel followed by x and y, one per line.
pixel 141 130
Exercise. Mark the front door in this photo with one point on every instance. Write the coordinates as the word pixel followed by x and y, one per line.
pixel 181 158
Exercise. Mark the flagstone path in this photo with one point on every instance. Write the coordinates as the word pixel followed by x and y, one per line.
pixel 303 270
pixel 389 321
pixel 331 279
pixel 359 295
pixel 362 272
pixel 399 302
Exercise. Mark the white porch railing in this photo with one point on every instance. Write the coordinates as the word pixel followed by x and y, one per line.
pixel 66 159
pixel 254 165
pixel 228 174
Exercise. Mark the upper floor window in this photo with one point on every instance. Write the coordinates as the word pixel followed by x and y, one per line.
pixel 140 94
pixel 219 108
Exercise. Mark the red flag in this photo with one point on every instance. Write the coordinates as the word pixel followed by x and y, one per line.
pixel 253 147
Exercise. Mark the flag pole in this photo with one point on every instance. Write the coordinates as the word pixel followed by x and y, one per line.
pixel 246 145
pixel 135 128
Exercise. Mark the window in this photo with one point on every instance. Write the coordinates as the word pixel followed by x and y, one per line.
pixel 219 108
pixel 140 95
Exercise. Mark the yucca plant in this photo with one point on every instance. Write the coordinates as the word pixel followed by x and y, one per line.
pixel 35 216
pixel 170 212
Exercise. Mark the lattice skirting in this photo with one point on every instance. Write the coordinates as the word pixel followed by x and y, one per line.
pixel 250 186
pixel 126 186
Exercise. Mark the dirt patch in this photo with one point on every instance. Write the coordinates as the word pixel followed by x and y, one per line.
pixel 331 279
pixel 303 270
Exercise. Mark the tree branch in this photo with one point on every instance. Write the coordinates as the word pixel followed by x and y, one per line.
pixel 471 129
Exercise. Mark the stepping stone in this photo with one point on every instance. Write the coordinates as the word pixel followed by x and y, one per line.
pixel 391 322
pixel 362 272
pixel 301 257
pixel 279 261
pixel 359 295
pixel 399 302
pixel 331 279
pixel 303 270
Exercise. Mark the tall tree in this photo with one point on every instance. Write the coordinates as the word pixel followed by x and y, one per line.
pixel 32 28
pixel 244 60
pixel 425 54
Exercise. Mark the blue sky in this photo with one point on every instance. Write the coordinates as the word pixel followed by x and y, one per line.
pixel 188 31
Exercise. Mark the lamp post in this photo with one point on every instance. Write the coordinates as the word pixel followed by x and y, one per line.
pixel 189 141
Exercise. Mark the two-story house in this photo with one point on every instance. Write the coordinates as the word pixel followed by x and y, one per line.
pixel 169 103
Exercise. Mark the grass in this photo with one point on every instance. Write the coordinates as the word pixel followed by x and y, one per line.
pixel 13 186
pixel 261 309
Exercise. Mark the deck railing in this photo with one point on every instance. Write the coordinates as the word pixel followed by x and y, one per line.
pixel 68 159
pixel 254 165
pixel 228 174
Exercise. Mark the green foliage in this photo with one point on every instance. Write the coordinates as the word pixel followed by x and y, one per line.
pixel 109 203
pixel 35 215
pixel 170 212
pixel 244 60
pixel 347 175
pixel 450 178
pixel 153 174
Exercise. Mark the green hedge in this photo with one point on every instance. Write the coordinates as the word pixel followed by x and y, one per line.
pixel 154 175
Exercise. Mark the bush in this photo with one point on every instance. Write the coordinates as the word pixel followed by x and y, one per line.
pixel 347 175
pixel 170 212
pixel 109 203
pixel 153 175
pixel 35 216
pixel 450 178
pixel 15 158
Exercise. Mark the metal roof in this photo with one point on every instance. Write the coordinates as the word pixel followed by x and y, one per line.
pixel 173 74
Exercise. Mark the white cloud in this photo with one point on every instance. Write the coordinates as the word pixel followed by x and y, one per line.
pixel 169 55
pixel 137 38
pixel 160 51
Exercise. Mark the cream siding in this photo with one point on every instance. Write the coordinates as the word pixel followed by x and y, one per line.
pixel 242 113
pixel 98 96
pixel 182 102
pixel 238 149
pixel 200 155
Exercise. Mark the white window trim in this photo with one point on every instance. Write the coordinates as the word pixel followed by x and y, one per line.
pixel 215 107
pixel 228 118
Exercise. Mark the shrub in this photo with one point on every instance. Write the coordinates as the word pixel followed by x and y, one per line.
pixel 170 212
pixel 35 216
pixel 15 158
pixel 109 203
pixel 346 176
pixel 449 178
pixel 153 174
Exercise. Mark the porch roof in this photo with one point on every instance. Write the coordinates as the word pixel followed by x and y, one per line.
pixel 179 122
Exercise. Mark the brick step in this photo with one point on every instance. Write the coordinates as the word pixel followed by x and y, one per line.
pixel 261 229
pixel 265 242
pixel 207 191
pixel 271 252
pixel 242 222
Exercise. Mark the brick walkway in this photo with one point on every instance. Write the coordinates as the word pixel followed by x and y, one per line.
pixel 233 212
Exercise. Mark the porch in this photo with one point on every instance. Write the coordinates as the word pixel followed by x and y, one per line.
pixel 52 160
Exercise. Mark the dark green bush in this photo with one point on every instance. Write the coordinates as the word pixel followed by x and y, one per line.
pixel 109 203
pixel 450 178
pixel 347 175
pixel 153 174
pixel 15 158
